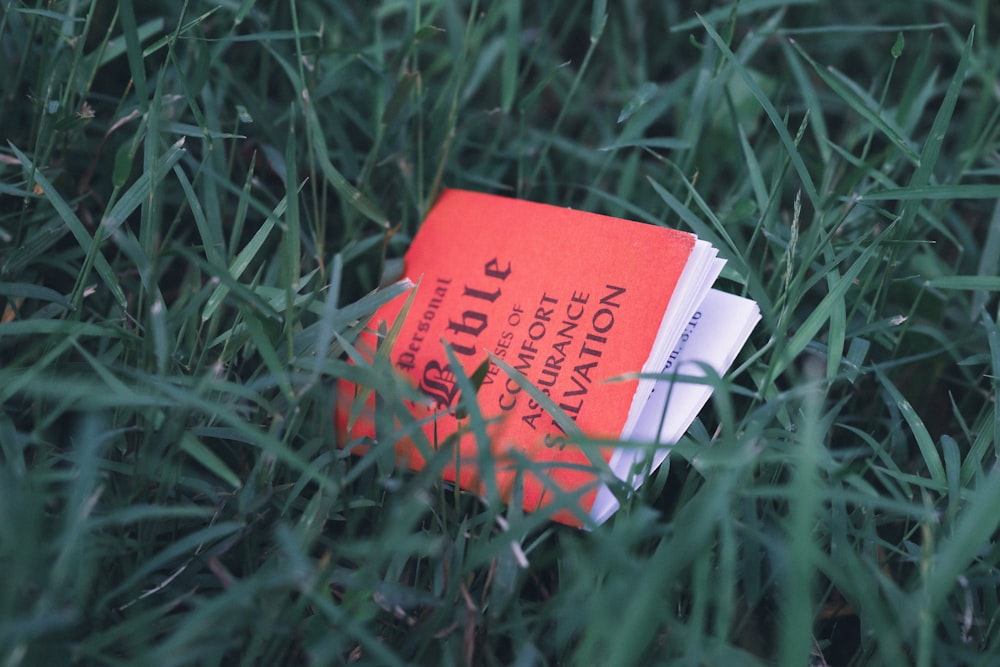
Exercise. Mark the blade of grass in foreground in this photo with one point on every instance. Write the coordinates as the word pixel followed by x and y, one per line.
pixel 807 491
pixel 776 120
pixel 819 316
pixel 932 460
pixel 949 192
pixel 977 283
pixel 861 103
pixel 977 521
pixel 69 218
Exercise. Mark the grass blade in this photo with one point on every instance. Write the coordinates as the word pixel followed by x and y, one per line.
pixel 776 120
pixel 69 218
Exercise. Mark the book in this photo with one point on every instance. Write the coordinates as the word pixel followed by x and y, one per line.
pixel 602 316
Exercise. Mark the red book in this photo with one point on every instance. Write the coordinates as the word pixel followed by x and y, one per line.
pixel 576 302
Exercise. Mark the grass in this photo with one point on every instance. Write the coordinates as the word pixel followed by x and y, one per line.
pixel 198 199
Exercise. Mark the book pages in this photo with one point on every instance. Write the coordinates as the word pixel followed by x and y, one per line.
pixel 712 337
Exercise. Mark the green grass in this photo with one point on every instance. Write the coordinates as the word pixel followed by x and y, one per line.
pixel 198 199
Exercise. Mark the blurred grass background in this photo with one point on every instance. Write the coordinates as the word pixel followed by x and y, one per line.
pixel 197 200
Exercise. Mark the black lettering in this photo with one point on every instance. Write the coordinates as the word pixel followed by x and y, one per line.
pixel 554 441
pixel 524 358
pixel 572 409
pixel 481 294
pixel 566 331
pixel 545 314
pixel 493 370
pixel 609 299
pixel 553 363
pixel 590 351
pixel 478 324
pixel 580 390
pixel 607 322
pixel 406 361
pixel 536 331
pixel 509 404
pixel 583 370
pixel 548 377
pixel 493 270
pixel 529 346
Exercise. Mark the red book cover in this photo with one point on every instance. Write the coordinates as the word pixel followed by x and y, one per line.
pixel 568 298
